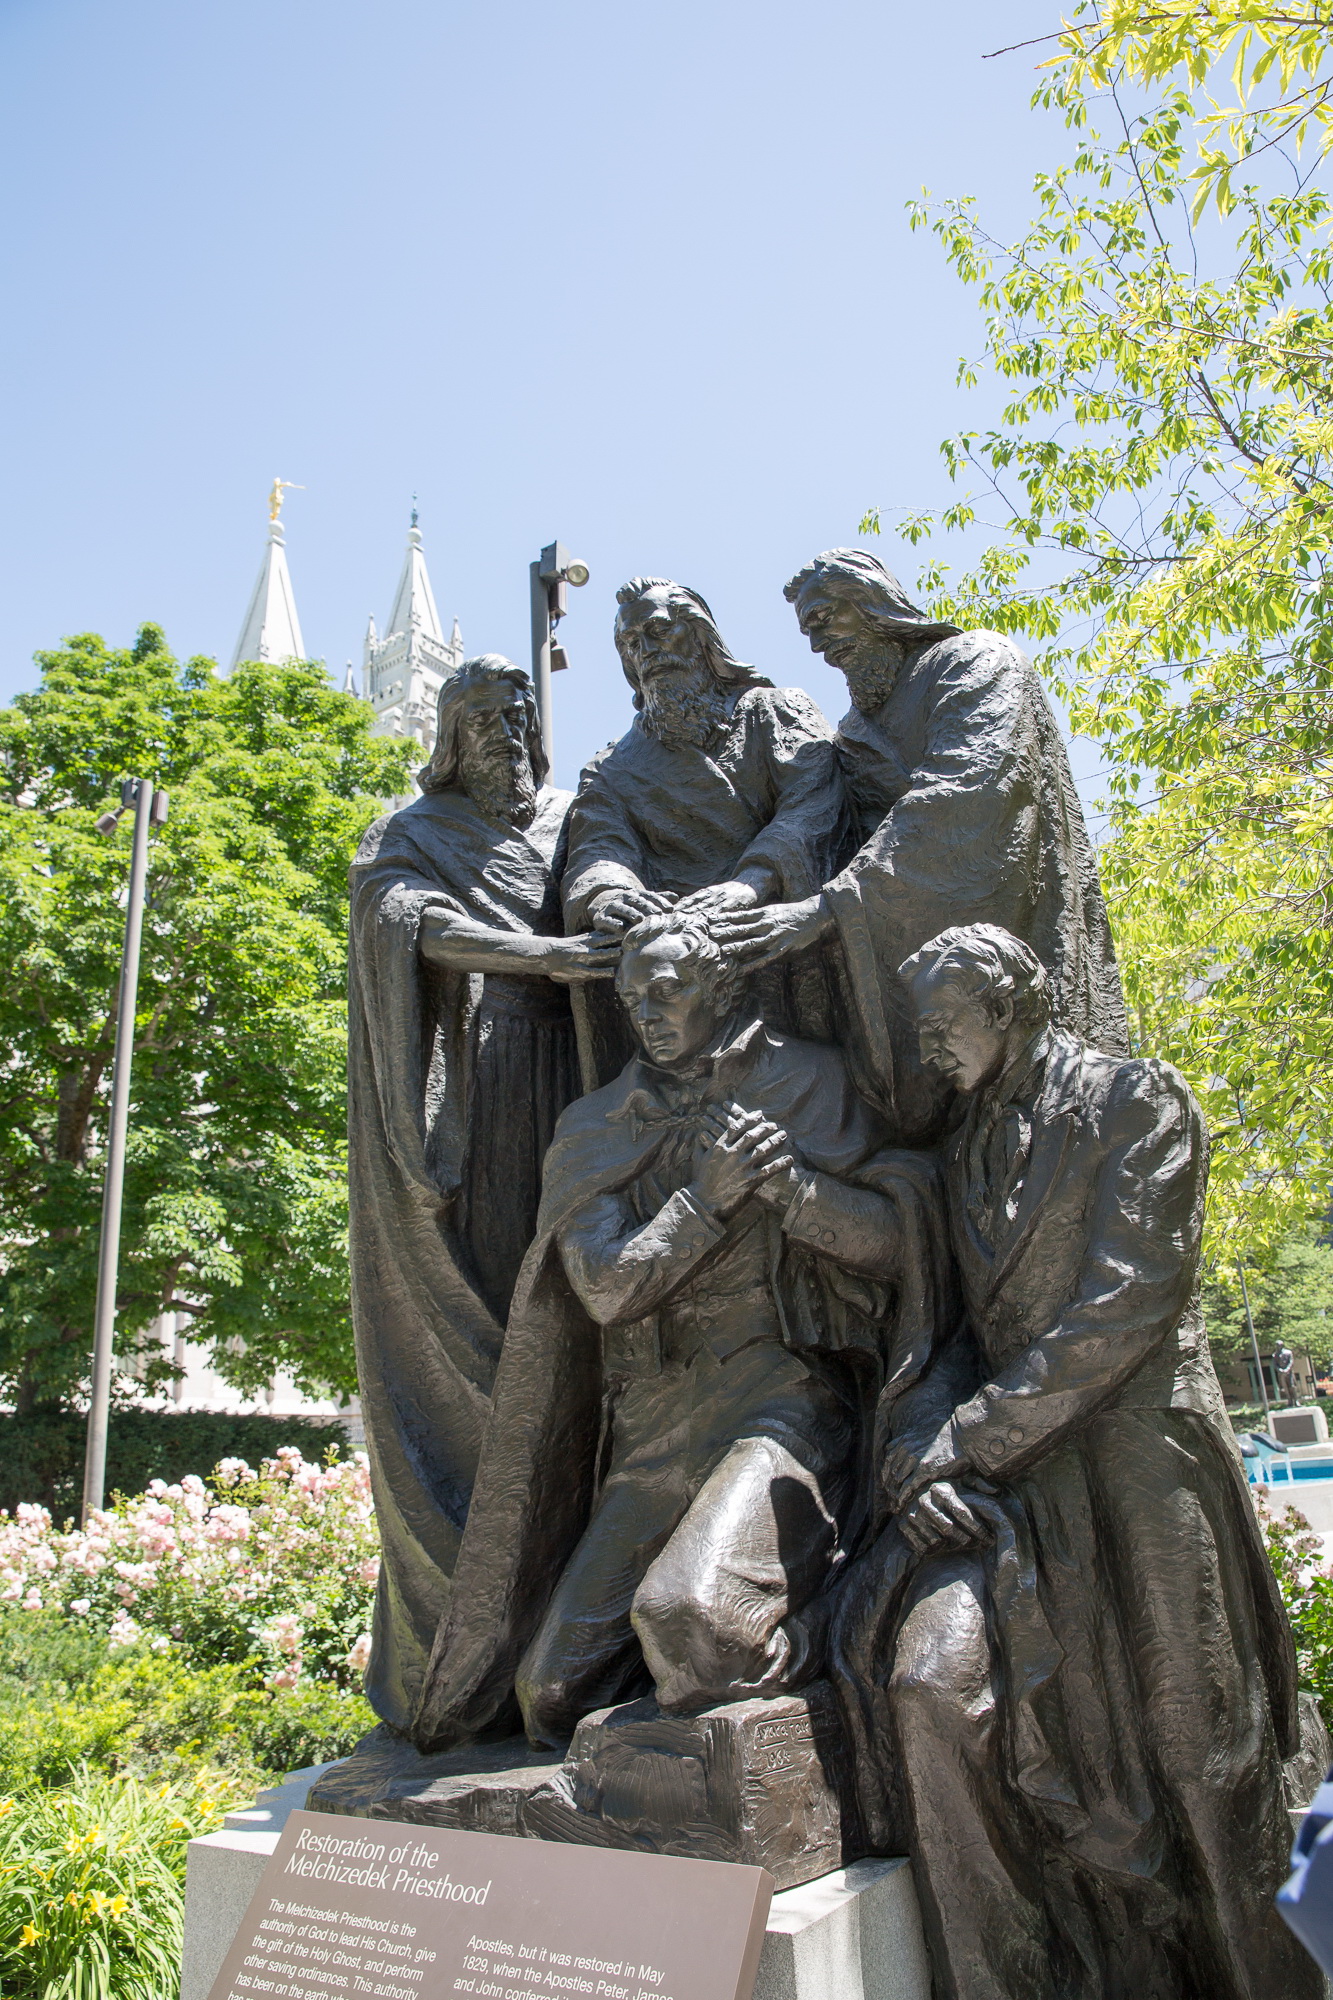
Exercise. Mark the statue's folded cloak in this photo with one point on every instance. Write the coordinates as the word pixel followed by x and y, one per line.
pixel 428 1050
pixel 967 814
pixel 544 1440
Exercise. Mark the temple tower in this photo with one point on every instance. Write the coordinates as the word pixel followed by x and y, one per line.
pixel 403 671
pixel 272 630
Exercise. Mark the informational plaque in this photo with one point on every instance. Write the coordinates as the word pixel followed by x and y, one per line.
pixel 361 1909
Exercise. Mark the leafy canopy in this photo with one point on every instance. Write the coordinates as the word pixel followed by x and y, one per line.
pixel 1156 499
pixel 235 1200
pixel 1292 1301
pixel 1278 87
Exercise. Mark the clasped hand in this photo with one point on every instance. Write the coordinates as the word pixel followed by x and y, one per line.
pixel 919 1481
pixel 744 1153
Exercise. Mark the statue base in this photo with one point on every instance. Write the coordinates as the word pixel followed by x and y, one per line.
pixel 762 1782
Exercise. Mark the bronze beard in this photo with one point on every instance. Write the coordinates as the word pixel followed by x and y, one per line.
pixel 503 787
pixel 871 677
pixel 682 706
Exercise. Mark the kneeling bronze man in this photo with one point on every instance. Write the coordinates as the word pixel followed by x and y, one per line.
pixel 1065 1663
pixel 676 1462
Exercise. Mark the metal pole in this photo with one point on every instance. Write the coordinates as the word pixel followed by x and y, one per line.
pixel 1259 1366
pixel 94 1469
pixel 541 653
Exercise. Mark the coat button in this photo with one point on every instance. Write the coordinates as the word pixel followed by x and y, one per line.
pixel 1015 1436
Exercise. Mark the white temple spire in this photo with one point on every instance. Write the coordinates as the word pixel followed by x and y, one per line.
pixel 414 607
pixel 272 630
pixel 405 670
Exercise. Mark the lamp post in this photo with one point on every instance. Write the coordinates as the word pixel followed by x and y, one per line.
pixel 150 809
pixel 1254 1347
pixel 547 579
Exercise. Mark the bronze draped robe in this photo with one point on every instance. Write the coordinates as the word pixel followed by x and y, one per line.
pixel 455 1084
pixel 967 814
pixel 764 792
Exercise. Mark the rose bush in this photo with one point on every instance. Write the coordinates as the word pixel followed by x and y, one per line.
pixel 277 1565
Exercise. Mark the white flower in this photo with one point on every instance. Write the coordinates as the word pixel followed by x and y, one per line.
pixel 124 1631
pixel 359 1657
pixel 81 1606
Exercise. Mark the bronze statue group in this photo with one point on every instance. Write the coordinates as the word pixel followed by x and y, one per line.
pixel 770 1265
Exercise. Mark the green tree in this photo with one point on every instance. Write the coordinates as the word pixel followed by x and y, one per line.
pixel 235 1199
pixel 1292 1300
pixel 1158 496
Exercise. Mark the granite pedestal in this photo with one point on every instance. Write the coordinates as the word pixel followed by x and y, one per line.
pixel 855 1934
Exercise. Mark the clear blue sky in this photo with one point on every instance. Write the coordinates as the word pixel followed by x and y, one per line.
pixel 639 277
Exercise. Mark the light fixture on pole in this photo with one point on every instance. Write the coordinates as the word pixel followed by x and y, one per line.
pixel 548 578
pixel 150 809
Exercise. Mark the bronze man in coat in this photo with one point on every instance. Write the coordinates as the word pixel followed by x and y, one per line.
pixel 674 1465
pixel 1065 1663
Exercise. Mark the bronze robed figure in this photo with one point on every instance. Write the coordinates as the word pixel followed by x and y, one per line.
pixel 965 812
pixel 823 1342
pixel 724 795
pixel 461 1057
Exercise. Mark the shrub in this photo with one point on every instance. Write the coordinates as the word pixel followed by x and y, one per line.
pixel 145 1712
pixel 277 1566
pixel 91 1887
pixel 1297 1555
pixel 41 1455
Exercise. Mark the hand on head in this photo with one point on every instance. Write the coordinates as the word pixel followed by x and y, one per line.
pixel 618 910
pixel 755 937
pixel 719 899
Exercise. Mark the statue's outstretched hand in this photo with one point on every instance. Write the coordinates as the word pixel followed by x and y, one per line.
pixel 757 937
pixel 746 1150
pixel 574 960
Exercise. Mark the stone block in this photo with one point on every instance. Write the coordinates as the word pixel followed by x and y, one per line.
pixel 221 1872
pixel 764 1782
pixel 1306 1424
pixel 854 1934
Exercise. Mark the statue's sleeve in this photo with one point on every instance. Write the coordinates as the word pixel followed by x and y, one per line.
pixel 413 1056
pixel 604 852
pixel 965 824
pixel 855 1227
pixel 623 1270
pixel 1144 1222
pixel 792 763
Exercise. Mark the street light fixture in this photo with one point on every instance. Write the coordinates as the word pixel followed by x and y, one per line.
pixel 548 578
pixel 150 809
